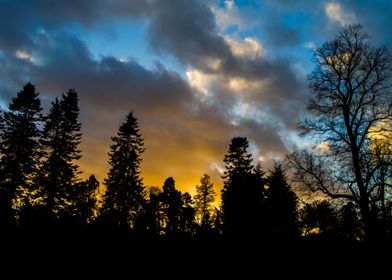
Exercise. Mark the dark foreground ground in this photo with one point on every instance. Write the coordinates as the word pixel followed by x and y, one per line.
pixel 106 254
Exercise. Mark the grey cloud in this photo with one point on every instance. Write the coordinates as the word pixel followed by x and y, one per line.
pixel 20 19
pixel 279 34
pixel 187 30
pixel 375 16
pixel 170 114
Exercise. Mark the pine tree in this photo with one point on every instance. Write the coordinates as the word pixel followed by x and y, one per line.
pixel 124 197
pixel 281 206
pixel 205 196
pixel 242 196
pixel 19 150
pixel 61 139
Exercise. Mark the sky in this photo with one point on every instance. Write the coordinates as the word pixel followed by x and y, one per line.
pixel 194 72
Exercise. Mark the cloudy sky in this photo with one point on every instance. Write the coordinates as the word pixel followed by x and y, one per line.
pixel 194 72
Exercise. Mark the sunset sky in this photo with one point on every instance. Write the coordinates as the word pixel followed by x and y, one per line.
pixel 194 72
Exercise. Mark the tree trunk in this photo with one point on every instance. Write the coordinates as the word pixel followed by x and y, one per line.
pixel 363 195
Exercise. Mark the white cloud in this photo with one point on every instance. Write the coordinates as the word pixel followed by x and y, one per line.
pixel 323 147
pixel 123 59
pixel 24 55
pixel 335 13
pixel 215 166
pixel 199 81
pixel 242 110
pixel 229 16
pixel 240 84
pixel 247 48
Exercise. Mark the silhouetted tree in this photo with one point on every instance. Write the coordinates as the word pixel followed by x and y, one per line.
pixel 124 197
pixel 61 138
pixel 217 221
pixel 259 176
pixel 319 218
pixel 1 119
pixel 19 151
pixel 84 198
pixel 281 205
pixel 350 104
pixel 349 222
pixel 382 176
pixel 148 223
pixel 171 207
pixel 188 215
pixel 242 197
pixel 205 196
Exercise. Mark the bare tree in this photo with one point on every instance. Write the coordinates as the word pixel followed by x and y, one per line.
pixel 350 104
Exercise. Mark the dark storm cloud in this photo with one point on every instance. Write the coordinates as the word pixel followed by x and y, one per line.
pixel 106 83
pixel 187 30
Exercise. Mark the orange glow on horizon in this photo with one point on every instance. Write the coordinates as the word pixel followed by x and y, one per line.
pixel 158 164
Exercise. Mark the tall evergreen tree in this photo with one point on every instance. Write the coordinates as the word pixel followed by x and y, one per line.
pixel 205 196
pixel 124 197
pixel 19 150
pixel 281 206
pixel 61 139
pixel 242 196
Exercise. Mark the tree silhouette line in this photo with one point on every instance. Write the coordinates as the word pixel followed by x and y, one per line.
pixel 41 188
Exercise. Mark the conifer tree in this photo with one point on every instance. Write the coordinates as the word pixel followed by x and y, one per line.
pixel 281 206
pixel 242 195
pixel 124 197
pixel 205 196
pixel 19 150
pixel 61 139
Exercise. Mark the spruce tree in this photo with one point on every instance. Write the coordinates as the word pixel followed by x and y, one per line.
pixel 19 150
pixel 281 206
pixel 242 195
pixel 61 139
pixel 205 196
pixel 124 197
